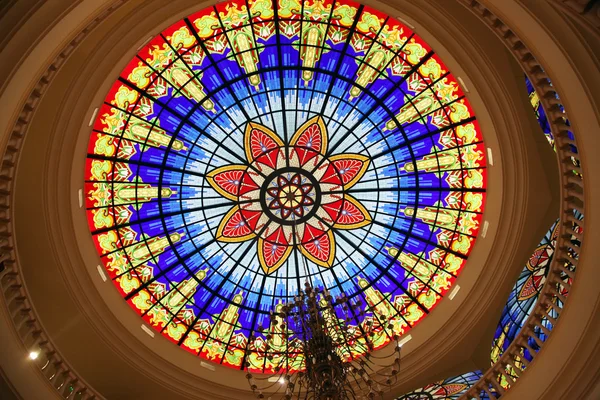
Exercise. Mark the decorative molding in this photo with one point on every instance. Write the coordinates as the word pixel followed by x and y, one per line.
pixel 52 364
pixel 16 23
pixel 571 231
pixel 576 9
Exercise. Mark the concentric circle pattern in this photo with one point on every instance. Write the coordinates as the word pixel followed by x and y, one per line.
pixel 255 145
pixel 290 197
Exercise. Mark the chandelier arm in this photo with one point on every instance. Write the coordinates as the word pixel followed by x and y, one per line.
pixel 339 329
pixel 358 380
pixel 379 318
pixel 355 316
pixel 386 357
pixel 304 261
pixel 357 340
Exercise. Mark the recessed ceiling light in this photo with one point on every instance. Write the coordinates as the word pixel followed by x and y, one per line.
pixel 485 228
pixel 463 84
pixel 404 340
pixel 490 156
pixel 453 293
pixel 94 114
pixel 207 365
pixel 149 331
pixel 101 273
pixel 405 22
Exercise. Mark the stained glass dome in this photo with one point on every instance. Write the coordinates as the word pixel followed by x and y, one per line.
pixel 255 145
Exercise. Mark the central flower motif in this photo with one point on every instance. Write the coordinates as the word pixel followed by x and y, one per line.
pixel 290 196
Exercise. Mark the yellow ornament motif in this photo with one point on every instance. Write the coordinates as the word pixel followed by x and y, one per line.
pixel 182 38
pixel 150 134
pixel 413 110
pixel 223 329
pixel 125 97
pixel 151 248
pixel 436 162
pixel 414 52
pixel 413 264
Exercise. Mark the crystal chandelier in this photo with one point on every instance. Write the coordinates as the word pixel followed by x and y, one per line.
pixel 330 371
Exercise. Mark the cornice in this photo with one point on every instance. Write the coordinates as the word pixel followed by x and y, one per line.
pixel 58 372
pixel 589 20
pixel 571 42
pixel 14 25
pixel 570 240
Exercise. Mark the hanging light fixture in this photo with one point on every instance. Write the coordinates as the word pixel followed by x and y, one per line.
pixel 330 370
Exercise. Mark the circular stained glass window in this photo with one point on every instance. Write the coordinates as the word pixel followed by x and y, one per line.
pixel 256 145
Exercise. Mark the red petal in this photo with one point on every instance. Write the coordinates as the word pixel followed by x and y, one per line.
pixel 272 256
pixel 278 236
pixel 350 167
pixel 251 217
pixel 311 136
pixel 247 185
pixel 528 289
pixel 450 389
pixel 259 140
pixel 352 215
pixel 319 249
pixel 285 213
pixel 310 233
pixel 273 251
pixel 235 228
pixel 269 158
pixel 229 181
pixel 333 209
pixel 331 176
pixel 304 155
